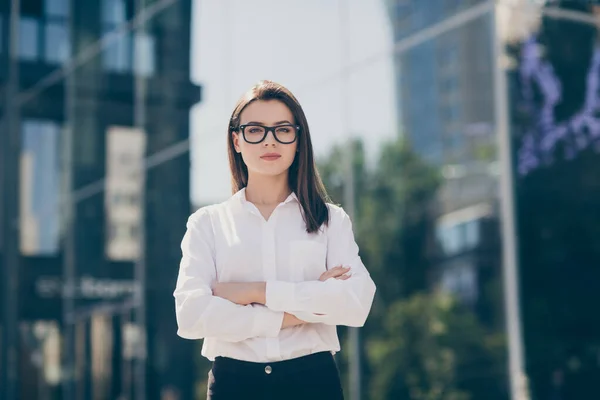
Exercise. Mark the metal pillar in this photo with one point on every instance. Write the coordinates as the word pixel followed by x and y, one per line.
pixel 70 215
pixel 349 189
pixel 517 377
pixel 10 148
pixel 141 89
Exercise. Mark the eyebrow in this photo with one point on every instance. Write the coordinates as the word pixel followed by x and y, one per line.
pixel 261 123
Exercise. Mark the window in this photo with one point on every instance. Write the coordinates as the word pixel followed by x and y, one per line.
pixel 461 280
pixel 29 39
pixel 457 238
pixel 58 44
pixel 40 187
pixel 45 35
pixel 449 55
pixel 57 8
pixel 126 51
pixel 144 54
pixel 472 233
pixel 451 113
pixel 450 84
pixel 450 239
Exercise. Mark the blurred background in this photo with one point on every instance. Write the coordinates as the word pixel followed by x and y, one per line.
pixel 462 136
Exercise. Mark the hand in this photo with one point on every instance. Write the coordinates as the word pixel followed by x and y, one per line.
pixel 338 272
pixel 242 293
pixel 290 320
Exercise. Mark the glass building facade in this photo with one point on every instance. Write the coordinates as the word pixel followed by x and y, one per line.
pixel 101 109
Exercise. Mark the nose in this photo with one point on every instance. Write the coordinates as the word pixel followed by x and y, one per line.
pixel 270 139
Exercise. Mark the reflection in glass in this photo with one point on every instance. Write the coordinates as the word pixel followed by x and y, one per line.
pixel 57 8
pixel 28 39
pixel 129 51
pixel 106 184
pixel 117 54
pixel 144 54
pixel 57 44
pixel 113 12
pixel 40 183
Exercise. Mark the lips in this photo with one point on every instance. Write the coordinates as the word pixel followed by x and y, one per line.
pixel 271 156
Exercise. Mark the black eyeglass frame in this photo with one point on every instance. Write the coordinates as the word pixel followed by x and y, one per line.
pixel 267 130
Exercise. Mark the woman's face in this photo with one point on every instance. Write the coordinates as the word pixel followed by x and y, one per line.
pixel 268 157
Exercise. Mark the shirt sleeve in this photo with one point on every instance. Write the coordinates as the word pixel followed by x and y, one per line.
pixel 200 314
pixel 333 302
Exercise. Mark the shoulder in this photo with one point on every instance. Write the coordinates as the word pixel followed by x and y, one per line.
pixel 201 215
pixel 337 215
pixel 207 214
pixel 335 210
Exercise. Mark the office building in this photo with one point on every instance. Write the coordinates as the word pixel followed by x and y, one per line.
pixel 103 85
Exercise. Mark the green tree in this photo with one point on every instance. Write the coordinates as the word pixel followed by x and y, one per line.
pixel 418 345
pixel 412 359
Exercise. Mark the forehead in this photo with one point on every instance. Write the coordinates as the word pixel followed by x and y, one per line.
pixel 266 112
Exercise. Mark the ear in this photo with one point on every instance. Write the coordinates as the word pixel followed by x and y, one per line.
pixel 236 141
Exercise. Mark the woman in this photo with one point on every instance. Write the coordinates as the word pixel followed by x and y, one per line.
pixel 267 275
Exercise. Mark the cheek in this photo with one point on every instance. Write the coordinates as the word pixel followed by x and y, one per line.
pixel 290 153
pixel 249 151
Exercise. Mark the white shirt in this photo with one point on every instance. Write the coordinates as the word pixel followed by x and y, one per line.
pixel 232 242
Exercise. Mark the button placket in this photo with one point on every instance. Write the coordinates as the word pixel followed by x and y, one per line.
pixel 270 273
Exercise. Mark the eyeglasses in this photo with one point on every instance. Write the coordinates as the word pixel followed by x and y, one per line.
pixel 285 134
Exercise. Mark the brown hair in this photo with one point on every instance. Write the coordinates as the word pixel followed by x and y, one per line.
pixel 304 179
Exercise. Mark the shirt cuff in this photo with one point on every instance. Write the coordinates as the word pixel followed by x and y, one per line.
pixel 267 322
pixel 281 296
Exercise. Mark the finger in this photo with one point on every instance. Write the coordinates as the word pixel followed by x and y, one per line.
pixel 343 277
pixel 326 276
pixel 334 272
pixel 340 271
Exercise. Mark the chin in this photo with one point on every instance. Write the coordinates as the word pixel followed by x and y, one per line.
pixel 272 173
pixel 275 170
pixel 272 169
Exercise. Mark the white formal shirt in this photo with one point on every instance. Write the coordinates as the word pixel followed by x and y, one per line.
pixel 232 242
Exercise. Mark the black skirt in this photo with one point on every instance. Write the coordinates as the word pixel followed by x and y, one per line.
pixel 312 377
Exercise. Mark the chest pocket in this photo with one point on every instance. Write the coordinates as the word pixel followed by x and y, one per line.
pixel 307 260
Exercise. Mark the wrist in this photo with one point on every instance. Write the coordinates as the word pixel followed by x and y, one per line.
pixel 258 290
pixel 290 320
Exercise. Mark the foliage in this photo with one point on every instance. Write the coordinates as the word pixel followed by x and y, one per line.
pixel 417 344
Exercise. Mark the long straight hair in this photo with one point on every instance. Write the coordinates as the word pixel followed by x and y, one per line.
pixel 303 177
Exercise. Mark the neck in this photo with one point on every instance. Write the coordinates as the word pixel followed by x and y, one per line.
pixel 267 190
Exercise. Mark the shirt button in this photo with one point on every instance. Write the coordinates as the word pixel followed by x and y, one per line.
pixel 268 369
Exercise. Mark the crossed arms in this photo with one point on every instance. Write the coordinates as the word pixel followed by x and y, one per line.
pixel 239 311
